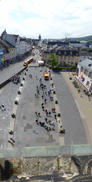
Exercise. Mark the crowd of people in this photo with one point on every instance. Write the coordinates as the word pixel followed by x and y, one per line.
pixel 15 79
pixel 47 118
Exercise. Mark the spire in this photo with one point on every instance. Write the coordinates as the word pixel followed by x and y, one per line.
pixel 39 37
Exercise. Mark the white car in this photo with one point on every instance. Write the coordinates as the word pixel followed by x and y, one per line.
pixel 41 63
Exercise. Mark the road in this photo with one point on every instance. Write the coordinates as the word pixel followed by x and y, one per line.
pixel 8 72
pixel 72 121
pixel 27 132
pixel 7 96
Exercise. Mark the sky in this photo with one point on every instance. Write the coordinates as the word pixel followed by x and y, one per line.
pixel 50 18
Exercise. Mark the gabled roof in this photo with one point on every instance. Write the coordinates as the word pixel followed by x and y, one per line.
pixel 14 35
pixel 6 44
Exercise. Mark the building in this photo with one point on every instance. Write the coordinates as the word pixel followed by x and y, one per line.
pixel 9 52
pixel 39 37
pixel 84 73
pixel 1 56
pixel 90 46
pixel 65 55
pixel 22 45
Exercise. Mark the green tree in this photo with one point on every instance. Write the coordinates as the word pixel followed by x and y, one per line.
pixel 83 49
pixel 90 41
pixel 90 50
pixel 74 66
pixel 53 60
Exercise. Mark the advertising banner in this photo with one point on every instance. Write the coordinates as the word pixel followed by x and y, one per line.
pixel 1 56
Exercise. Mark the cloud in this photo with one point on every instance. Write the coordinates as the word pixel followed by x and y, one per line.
pixel 52 19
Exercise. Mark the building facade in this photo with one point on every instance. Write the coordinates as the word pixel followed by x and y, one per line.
pixel 84 73
pixel 65 55
pixel 9 52
pixel 22 45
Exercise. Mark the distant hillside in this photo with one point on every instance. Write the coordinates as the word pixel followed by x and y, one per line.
pixel 86 38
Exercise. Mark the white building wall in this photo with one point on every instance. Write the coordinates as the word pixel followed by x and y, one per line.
pixel 86 78
pixel 22 47
pixel 90 46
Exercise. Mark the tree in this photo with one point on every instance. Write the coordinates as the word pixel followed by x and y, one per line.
pixel 53 60
pixel 90 41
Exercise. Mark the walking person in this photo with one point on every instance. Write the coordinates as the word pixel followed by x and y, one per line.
pixel 45 100
pixel 43 108
pixel 88 96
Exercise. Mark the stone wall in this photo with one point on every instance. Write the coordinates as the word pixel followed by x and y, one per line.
pixel 66 167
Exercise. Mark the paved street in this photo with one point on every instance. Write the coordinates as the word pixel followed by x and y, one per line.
pixel 84 104
pixel 8 72
pixel 75 132
pixel 28 126
pixel 27 132
pixel 7 96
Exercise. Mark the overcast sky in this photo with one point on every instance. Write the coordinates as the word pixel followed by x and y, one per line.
pixel 50 18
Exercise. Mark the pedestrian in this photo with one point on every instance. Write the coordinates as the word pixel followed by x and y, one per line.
pixel 37 121
pixel 46 120
pixel 30 75
pixel 46 113
pixel 46 93
pixel 53 110
pixel 42 104
pixel 55 116
pixel 36 114
pixel 39 114
pixel 38 92
pixel 35 95
pixel 40 80
pixel 45 100
pixel 49 113
pixel 52 85
pixel 51 98
pixel 49 121
pixel 43 108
